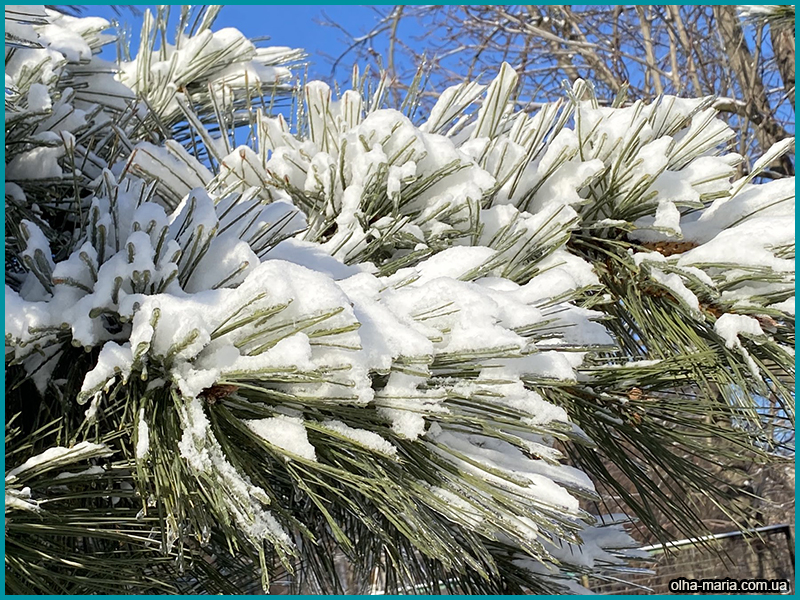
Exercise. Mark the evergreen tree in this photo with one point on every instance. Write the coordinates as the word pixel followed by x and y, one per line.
pixel 408 344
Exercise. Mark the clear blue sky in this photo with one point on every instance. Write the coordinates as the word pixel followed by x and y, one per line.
pixel 298 26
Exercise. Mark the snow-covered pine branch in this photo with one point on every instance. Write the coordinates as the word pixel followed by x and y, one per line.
pixel 366 329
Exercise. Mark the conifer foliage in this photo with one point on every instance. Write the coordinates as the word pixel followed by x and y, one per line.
pixel 238 347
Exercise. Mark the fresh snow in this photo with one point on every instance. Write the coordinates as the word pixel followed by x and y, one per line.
pixel 373 265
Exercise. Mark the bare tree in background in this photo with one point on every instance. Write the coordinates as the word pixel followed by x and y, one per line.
pixel 748 63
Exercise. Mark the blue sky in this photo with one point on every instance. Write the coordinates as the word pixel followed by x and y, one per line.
pixel 301 26
pixel 298 26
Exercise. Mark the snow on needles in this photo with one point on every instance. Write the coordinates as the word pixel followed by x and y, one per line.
pixel 372 283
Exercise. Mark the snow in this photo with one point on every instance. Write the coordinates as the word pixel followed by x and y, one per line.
pixel 547 365
pixel 385 334
pixel 457 508
pixel 730 326
pixel 65 117
pixel 224 59
pixel 608 534
pixel 362 437
pixel 537 411
pixel 21 500
pixel 57 456
pixel 142 437
pixel 174 168
pixel 758 10
pixel 454 263
pixel 496 102
pixel 93 470
pixel 773 199
pixel 113 360
pixel 471 325
pixel 451 104
pixel 39 163
pixel 458 450
pixel 244 500
pixel 285 433
pixel 419 276
pixel 69 43
pixel 312 257
pixel 674 284
pixel 668 217
pixel 786 306
pixel 293 352
pixel 39 97
pixel 746 244
pixel 560 273
pixel 405 423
